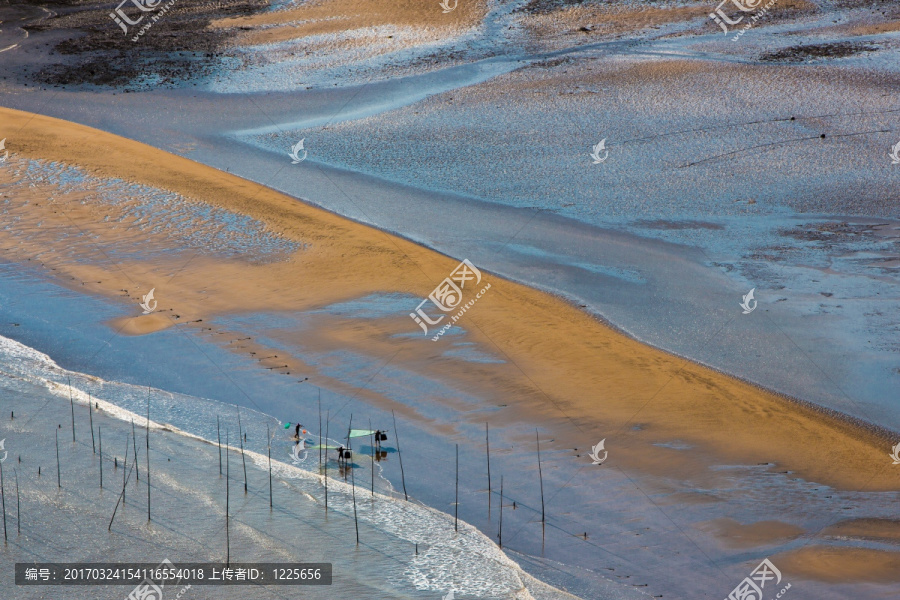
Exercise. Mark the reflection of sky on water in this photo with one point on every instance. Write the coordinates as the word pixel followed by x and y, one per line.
pixel 152 211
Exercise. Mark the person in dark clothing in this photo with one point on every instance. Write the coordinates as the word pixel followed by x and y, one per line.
pixel 297 431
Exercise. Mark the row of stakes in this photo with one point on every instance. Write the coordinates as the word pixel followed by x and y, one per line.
pixel 344 454
pixel 126 474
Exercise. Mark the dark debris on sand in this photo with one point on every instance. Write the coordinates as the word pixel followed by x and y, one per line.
pixel 94 50
pixel 540 7
pixel 811 51
pixel 830 232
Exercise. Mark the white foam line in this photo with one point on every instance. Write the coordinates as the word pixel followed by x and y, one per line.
pixel 66 391
pixel 483 545
pixel 469 539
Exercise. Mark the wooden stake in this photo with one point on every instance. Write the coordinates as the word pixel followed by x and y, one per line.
pixel 399 456
pixel 487 443
pixel 355 519
pixel 541 476
pixel 122 495
pixel 137 468
pixel 241 440
pixel 219 437
pixel 227 501
pixel 456 503
pixel 18 519
pixel 320 428
pixel 58 477
pixel 91 417
pixel 269 448
pixel 3 496
pixel 372 441
pixel 124 470
pixel 72 404
pixel 349 429
pixel 500 534
pixel 353 483
pixel 148 453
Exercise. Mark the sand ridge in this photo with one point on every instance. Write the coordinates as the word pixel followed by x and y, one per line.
pixel 338 16
pixel 561 365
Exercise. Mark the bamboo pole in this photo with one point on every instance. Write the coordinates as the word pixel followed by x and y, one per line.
pixel 3 496
pixel 327 421
pixel 487 443
pixel 269 449
pixel 399 456
pixel 100 438
pixel 541 477
pixel 349 429
pixel 241 440
pixel 500 533
pixel 148 453
pixel 219 437
pixel 124 469
pixel 137 468
pixel 91 417
pixel 355 518
pixel 58 476
pixel 320 428
pixel 372 442
pixel 72 405
pixel 456 502
pixel 122 495
pixel 18 518
pixel 353 483
pixel 227 501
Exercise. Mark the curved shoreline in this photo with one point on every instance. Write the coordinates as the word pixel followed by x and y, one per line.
pixel 117 157
pixel 791 381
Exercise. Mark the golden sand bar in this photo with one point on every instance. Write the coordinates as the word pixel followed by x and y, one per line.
pixel 338 16
pixel 562 367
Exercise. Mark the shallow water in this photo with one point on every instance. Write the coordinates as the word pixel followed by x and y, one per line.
pixel 187 499
pixel 642 531
pixel 142 210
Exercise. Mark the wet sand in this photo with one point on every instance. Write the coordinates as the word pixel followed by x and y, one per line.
pixel 674 425
pixel 583 367
pixel 802 243
pixel 557 366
